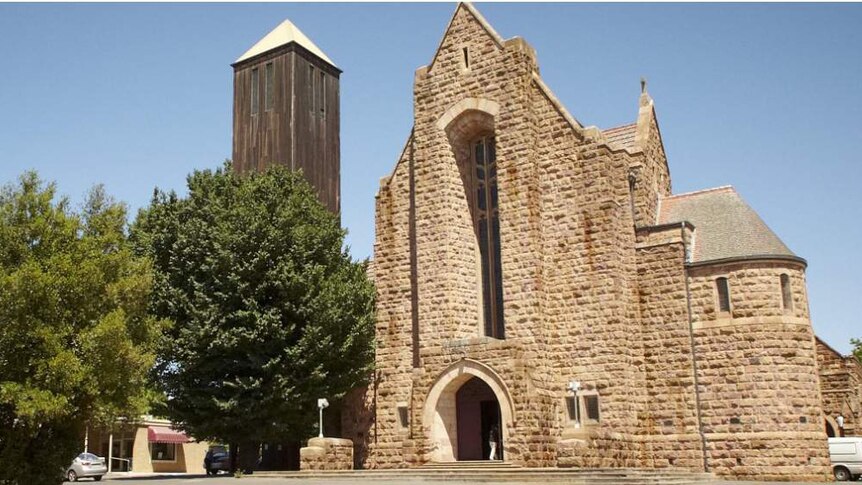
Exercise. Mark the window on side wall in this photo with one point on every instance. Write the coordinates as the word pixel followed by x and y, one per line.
pixel 786 293
pixel 583 409
pixel 255 91
pixel 163 451
pixel 723 289
pixel 269 86
pixel 591 408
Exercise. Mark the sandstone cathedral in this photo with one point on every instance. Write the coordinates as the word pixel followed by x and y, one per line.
pixel 539 277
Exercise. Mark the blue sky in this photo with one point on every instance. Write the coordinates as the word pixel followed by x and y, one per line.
pixel 765 97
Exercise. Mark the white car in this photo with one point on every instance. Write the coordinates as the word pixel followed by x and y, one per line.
pixel 86 465
pixel 846 456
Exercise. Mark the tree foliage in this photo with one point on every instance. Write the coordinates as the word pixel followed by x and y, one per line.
pixel 857 348
pixel 270 311
pixel 76 341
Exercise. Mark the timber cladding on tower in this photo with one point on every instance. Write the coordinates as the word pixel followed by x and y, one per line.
pixel 286 111
pixel 539 275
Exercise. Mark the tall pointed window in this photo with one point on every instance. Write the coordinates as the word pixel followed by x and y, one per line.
pixel 488 233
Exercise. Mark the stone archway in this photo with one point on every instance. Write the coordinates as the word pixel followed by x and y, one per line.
pixel 832 429
pixel 440 417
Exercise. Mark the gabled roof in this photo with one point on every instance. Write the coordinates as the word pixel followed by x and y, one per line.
pixel 468 7
pixel 725 226
pixel 622 136
pixel 284 34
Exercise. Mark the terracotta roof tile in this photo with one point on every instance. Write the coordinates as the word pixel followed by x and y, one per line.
pixel 621 136
pixel 725 226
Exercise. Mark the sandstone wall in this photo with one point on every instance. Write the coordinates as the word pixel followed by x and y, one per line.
pixel 671 418
pixel 761 404
pixel 841 387
pixel 326 454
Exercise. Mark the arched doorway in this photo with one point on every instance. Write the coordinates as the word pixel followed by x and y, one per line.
pixel 463 406
pixel 478 421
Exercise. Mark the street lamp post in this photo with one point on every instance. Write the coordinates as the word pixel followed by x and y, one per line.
pixel 574 387
pixel 322 404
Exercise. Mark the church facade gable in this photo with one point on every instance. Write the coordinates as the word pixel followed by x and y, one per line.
pixel 529 298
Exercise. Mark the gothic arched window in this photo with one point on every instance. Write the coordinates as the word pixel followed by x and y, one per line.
pixel 487 220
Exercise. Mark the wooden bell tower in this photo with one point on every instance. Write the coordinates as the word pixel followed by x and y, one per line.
pixel 286 110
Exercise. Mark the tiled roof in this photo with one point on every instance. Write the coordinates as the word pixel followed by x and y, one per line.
pixel 622 136
pixel 725 226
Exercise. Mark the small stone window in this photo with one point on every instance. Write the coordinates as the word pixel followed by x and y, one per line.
pixel 723 289
pixel 786 293
pixel 571 409
pixel 583 408
pixel 403 416
pixel 465 57
pixel 591 406
pixel 255 91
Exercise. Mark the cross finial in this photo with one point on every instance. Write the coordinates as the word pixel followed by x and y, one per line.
pixel 643 85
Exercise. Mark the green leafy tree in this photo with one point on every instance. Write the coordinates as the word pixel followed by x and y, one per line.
pixel 857 348
pixel 270 311
pixel 76 341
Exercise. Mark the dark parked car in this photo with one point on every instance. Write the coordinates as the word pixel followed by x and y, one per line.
pixel 86 465
pixel 217 459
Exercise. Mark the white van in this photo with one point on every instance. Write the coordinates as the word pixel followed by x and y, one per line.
pixel 846 455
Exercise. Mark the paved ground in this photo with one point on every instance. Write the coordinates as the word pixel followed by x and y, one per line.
pixel 249 480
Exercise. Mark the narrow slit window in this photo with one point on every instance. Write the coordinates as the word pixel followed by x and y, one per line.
pixel 786 292
pixel 465 52
pixel 269 86
pixel 723 294
pixel 322 94
pixel 312 92
pixel 255 91
pixel 403 416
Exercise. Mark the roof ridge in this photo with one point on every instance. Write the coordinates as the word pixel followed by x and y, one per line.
pixel 701 191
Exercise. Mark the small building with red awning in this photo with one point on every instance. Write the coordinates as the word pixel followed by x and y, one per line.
pixel 147 445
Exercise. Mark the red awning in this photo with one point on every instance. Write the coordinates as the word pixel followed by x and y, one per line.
pixel 163 434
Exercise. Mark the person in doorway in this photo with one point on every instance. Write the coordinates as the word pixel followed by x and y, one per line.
pixel 493 438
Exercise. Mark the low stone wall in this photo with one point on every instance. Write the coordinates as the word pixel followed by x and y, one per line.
pixel 327 454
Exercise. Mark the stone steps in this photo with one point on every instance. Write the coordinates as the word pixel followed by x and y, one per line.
pixel 507 472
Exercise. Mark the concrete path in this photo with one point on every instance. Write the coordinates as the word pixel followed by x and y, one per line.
pixel 170 479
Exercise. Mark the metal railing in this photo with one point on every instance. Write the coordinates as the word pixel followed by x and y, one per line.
pixel 127 461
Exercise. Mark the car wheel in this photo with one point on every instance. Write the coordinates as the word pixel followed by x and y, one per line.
pixel 97 478
pixel 72 476
pixel 841 474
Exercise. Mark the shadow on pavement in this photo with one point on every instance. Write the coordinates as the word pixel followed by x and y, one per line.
pixel 163 477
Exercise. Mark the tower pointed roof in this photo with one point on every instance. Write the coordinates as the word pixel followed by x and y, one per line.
pixel 284 34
